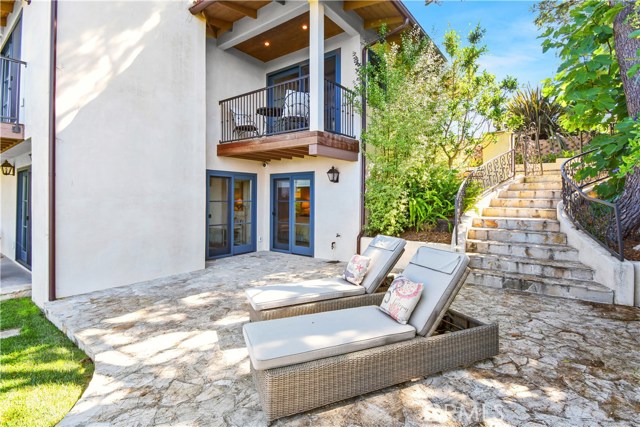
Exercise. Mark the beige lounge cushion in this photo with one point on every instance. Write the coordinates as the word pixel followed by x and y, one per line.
pixel 384 251
pixel 440 272
pixel 292 340
pixel 284 295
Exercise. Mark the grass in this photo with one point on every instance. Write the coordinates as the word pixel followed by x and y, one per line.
pixel 42 373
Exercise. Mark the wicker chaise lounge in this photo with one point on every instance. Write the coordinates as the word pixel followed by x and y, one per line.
pixel 333 293
pixel 305 362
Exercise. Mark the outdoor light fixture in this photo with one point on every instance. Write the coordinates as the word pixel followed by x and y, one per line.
pixel 304 27
pixel 333 174
pixel 267 44
pixel 8 168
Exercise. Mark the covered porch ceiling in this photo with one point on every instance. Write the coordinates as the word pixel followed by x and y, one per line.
pixel 6 7
pixel 222 17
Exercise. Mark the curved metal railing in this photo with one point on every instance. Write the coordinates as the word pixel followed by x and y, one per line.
pixel 487 176
pixel 598 218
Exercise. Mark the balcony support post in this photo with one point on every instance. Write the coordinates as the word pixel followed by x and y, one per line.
pixel 316 65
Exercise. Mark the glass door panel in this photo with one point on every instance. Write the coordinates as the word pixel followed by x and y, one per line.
pixel 218 223
pixel 23 234
pixel 242 213
pixel 281 214
pixel 302 209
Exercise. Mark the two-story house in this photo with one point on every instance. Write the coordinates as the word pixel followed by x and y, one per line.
pixel 140 139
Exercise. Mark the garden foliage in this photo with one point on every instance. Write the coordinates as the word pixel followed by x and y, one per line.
pixel 589 87
pixel 418 128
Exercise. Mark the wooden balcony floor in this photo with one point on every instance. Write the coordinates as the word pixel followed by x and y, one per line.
pixel 290 145
pixel 9 138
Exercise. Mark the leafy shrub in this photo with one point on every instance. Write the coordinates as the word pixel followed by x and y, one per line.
pixel 428 195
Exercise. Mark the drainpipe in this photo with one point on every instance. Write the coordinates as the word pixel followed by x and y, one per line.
pixel 52 150
pixel 363 159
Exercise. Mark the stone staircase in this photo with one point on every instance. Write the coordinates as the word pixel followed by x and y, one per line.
pixel 516 243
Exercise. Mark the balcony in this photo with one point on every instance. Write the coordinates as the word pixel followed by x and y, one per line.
pixel 272 123
pixel 11 130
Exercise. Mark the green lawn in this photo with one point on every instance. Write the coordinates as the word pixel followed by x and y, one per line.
pixel 42 373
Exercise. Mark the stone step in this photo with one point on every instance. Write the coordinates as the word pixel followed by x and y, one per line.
pixel 543 268
pixel 532 186
pixel 518 236
pixel 533 224
pixel 531 194
pixel 524 203
pixel 564 288
pixel 544 178
pixel 523 250
pixel 520 212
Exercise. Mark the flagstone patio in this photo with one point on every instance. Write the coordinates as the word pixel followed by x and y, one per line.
pixel 171 352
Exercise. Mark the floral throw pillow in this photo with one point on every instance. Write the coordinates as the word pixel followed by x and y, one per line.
pixel 356 269
pixel 401 298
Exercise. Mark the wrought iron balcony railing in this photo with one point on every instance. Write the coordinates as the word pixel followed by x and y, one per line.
pixel 598 218
pixel 284 108
pixel 10 73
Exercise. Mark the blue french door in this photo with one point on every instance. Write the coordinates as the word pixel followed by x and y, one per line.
pixel 292 213
pixel 23 231
pixel 231 213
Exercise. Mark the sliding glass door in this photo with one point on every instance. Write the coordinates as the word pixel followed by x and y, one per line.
pixel 292 219
pixel 231 213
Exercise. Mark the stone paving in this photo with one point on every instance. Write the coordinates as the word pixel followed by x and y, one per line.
pixel 170 352
pixel 15 281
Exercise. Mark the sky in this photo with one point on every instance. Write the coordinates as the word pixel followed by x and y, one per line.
pixel 511 35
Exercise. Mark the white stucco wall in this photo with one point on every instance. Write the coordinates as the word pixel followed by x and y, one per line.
pixel 231 73
pixel 131 152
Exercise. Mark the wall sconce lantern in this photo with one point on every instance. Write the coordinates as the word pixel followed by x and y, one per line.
pixel 8 168
pixel 333 174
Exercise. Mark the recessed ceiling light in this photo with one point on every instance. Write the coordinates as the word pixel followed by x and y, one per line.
pixel 304 27
pixel 267 44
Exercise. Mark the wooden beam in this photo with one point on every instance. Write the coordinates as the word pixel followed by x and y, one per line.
pixel 3 21
pixel 6 6
pixel 353 5
pixel 212 32
pixel 377 23
pixel 333 153
pixel 219 23
pixel 200 6
pixel 246 11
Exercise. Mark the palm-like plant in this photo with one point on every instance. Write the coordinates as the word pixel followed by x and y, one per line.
pixel 531 108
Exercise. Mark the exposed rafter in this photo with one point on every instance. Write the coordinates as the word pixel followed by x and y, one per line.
pixel 353 5
pixel 377 23
pixel 219 23
pixel 6 6
pixel 200 6
pixel 246 11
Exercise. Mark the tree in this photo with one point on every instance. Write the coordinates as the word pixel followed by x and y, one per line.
pixel 598 86
pixel 627 45
pixel 470 99
pixel 400 83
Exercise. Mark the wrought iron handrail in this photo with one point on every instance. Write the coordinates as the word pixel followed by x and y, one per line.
pixel 598 218
pixel 488 176
pixel 10 74
pixel 285 108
